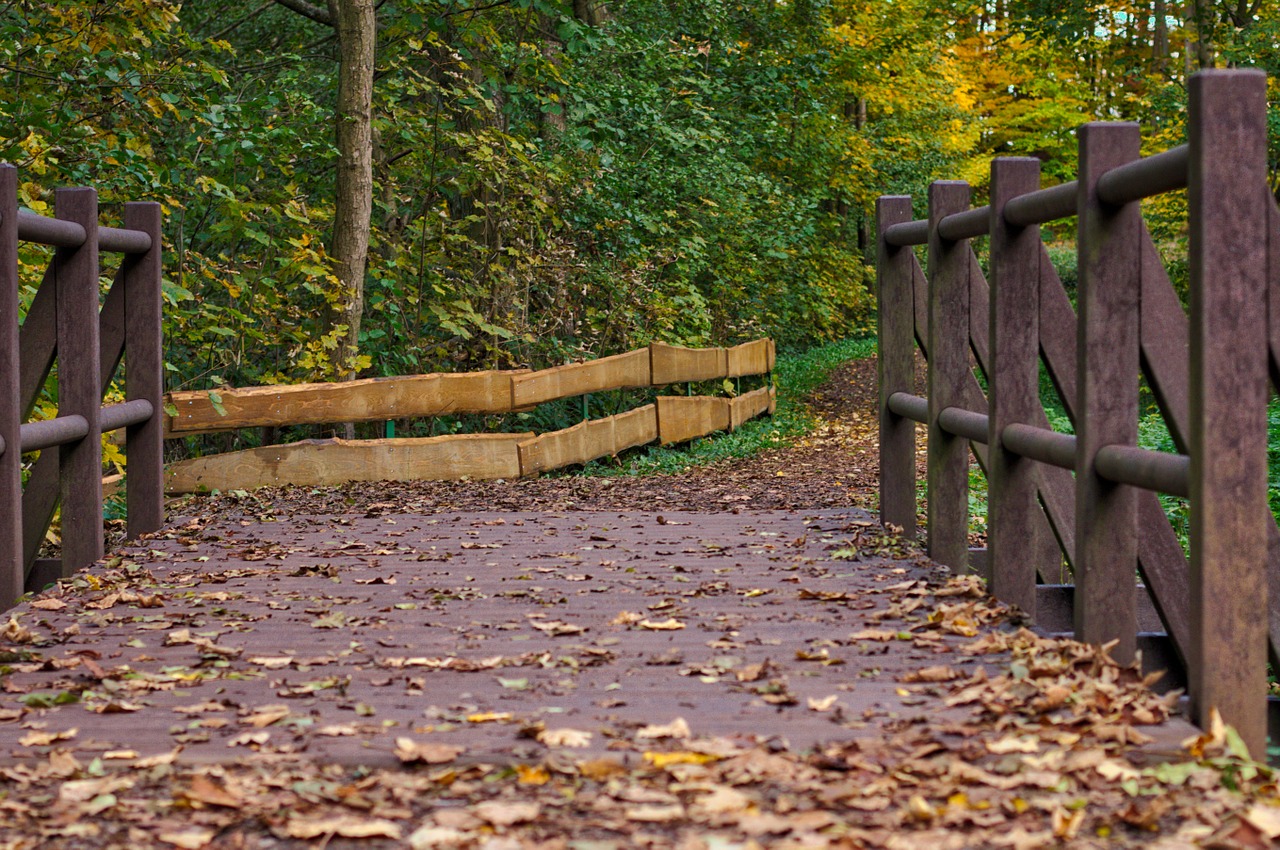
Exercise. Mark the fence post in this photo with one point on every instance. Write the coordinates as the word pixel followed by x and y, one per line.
pixel 79 388
pixel 1015 522
pixel 895 359
pixel 11 572
pixel 144 372
pixel 1227 208
pixel 949 371
pixel 1109 296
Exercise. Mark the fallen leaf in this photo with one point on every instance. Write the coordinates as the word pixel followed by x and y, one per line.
pixel 668 625
pixel 824 704
pixel 677 728
pixel 410 751
pixel 564 738
pixel 189 838
pixel 506 812
pixel 347 826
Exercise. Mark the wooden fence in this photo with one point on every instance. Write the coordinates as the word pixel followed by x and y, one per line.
pixel 88 340
pixel 474 456
pixel 1207 369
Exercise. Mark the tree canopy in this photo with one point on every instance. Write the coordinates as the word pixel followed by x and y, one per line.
pixel 555 179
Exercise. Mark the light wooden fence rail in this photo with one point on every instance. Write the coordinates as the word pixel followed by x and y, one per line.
pixel 197 412
pixel 670 420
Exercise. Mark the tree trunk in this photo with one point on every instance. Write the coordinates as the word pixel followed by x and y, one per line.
pixel 1160 43
pixel 356 27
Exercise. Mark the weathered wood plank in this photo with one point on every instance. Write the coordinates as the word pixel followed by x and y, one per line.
pixel 681 418
pixel 750 405
pixel 637 427
pixel 608 373
pixel 313 463
pixel 580 443
pixel 673 364
pixel 352 401
pixel 10 400
pixel 750 358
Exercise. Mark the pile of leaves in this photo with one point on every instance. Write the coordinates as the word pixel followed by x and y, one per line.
pixel 1055 749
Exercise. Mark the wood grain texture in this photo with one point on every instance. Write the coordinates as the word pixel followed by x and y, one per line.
pixel 750 358
pixel 314 463
pixel 588 441
pixel 682 418
pixel 673 364
pixel 352 401
pixel 750 405
pixel 575 379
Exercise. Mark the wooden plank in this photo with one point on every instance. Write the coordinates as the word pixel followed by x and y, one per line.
pixel 895 363
pixel 578 444
pixel 1014 518
pixel 351 401
pixel 637 427
pixel 748 406
pixel 11 567
pixel 673 364
pixel 575 379
pixel 948 465
pixel 682 418
pixel 750 358
pixel 1226 205
pixel 773 355
pixel 79 381
pixel 144 373
pixel 317 463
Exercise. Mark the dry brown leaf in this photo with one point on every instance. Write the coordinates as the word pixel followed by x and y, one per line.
pixel 565 738
pixel 506 812
pixel 189 838
pixel 48 604
pixel 266 715
pixel 824 704
pixel 347 826
pixel 211 792
pixel 410 751
pixel 677 728
pixel 669 625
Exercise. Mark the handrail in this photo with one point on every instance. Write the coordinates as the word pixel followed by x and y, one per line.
pixel 1040 444
pixel 964 423
pixel 909 406
pixel 1142 178
pixel 966 225
pixel 1162 472
pixel 908 233
pixel 43 230
pixel 48 433
pixel 1043 206
pixel 124 414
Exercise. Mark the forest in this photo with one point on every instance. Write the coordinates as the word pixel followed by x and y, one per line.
pixel 361 188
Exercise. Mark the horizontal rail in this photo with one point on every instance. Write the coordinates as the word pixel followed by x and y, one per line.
pixel 1163 472
pixel 910 406
pixel 966 225
pixel 413 396
pixel 1143 178
pixel 964 423
pixel 127 413
pixel 53 432
pixel 907 233
pixel 1041 444
pixel 1043 206
pixel 34 227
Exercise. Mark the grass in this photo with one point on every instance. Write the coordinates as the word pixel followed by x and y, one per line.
pixel 797 374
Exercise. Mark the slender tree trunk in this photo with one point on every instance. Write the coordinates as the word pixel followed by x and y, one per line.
pixel 356 27
pixel 1160 41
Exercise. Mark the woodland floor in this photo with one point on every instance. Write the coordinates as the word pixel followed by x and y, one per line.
pixel 731 657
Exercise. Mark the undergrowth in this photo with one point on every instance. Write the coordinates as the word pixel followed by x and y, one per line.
pixel 796 375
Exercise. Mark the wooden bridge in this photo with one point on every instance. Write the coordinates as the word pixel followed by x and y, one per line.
pixel 1216 609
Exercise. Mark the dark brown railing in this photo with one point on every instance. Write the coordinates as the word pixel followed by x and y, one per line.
pixel 66 322
pixel 1207 369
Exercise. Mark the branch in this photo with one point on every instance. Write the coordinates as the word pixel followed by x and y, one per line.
pixel 236 24
pixel 307 10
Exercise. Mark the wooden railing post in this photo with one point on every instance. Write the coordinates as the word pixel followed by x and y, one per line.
pixel 79 390
pixel 1227 207
pixel 144 375
pixel 1109 296
pixel 949 372
pixel 1014 519
pixel 11 573
pixel 895 352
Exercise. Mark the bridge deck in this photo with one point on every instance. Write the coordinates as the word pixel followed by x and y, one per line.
pixel 335 635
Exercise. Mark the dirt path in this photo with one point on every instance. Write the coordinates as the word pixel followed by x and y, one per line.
pixel 732 657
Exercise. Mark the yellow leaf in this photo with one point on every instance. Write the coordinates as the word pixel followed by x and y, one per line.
pixel 490 717
pixel 531 775
pixel 661 760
